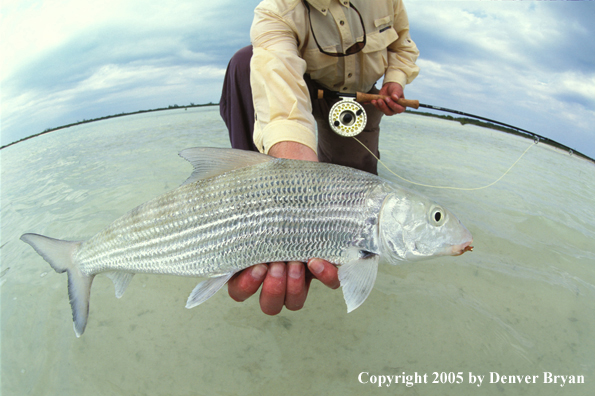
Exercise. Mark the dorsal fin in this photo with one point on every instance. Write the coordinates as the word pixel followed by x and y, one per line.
pixel 211 161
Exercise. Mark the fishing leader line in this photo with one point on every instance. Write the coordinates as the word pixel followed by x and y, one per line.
pixel 447 187
pixel 347 118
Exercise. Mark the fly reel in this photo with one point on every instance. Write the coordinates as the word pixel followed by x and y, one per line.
pixel 347 117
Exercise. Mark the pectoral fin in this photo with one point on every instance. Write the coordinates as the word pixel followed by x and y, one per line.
pixel 206 289
pixel 357 280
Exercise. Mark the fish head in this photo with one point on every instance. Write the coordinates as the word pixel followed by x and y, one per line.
pixel 412 227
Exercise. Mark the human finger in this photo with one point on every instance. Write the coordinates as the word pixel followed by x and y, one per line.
pixel 325 272
pixel 391 103
pixel 381 104
pixel 297 289
pixel 272 295
pixel 245 283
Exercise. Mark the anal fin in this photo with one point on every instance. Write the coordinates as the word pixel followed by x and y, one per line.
pixel 121 281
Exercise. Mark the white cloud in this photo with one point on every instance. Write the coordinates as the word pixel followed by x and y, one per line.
pixel 525 63
pixel 31 29
pixel 121 88
pixel 579 84
pixel 512 32
pixel 135 75
pixel 66 60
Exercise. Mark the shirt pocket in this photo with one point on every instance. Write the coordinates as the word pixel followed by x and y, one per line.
pixel 320 67
pixel 377 43
pixel 380 39
pixel 376 54
pixel 382 23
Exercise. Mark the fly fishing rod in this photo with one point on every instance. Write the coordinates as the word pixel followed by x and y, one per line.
pixel 348 117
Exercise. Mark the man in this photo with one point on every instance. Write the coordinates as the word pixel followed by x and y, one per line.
pixel 298 47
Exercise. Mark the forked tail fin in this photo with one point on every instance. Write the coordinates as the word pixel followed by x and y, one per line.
pixel 60 256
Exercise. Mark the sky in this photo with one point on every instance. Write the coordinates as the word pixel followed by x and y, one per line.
pixel 530 64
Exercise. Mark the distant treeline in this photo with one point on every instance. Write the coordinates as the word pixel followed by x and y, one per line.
pixel 462 120
pixel 472 121
pixel 171 107
pixel 484 124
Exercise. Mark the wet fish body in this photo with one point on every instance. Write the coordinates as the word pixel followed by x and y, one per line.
pixel 239 209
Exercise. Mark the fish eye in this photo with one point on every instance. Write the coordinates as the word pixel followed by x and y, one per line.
pixel 437 216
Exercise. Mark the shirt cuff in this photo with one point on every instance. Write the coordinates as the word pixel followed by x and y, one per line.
pixel 283 131
pixel 396 76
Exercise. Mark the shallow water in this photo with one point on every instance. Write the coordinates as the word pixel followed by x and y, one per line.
pixel 522 303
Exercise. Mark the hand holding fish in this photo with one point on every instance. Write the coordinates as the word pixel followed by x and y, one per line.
pixel 283 284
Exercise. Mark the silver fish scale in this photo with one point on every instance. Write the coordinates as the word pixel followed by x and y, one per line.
pixel 276 211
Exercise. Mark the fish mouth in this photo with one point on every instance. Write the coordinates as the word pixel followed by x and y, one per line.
pixel 457 250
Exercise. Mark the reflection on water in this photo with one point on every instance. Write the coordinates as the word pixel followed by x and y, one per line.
pixel 522 303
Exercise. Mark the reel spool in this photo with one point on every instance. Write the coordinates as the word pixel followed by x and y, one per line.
pixel 347 117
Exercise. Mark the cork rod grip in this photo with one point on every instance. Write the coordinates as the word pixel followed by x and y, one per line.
pixel 366 98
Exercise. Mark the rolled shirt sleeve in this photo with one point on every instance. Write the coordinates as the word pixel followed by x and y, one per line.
pixel 281 98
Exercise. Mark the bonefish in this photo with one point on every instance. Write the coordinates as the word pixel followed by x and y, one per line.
pixel 239 208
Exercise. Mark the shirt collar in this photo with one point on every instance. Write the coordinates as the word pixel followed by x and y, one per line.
pixel 320 5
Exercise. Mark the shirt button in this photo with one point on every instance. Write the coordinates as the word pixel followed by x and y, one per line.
pixel 344 88
pixel 350 75
pixel 342 23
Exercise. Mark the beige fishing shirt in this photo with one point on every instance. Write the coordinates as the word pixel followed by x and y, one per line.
pixel 284 50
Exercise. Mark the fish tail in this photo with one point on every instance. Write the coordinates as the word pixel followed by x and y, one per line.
pixel 60 255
